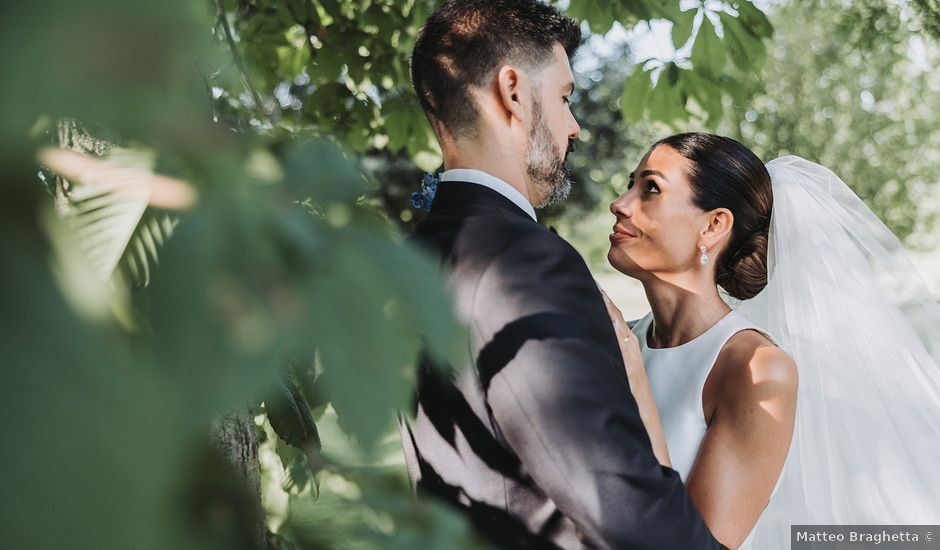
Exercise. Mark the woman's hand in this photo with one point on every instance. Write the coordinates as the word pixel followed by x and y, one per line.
pixel 639 384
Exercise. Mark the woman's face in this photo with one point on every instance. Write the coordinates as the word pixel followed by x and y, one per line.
pixel 658 228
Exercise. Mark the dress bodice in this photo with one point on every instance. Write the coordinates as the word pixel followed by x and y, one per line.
pixel 677 377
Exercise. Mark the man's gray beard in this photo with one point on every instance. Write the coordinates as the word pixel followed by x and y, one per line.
pixel 547 170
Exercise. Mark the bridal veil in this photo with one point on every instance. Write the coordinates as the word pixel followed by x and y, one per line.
pixel 845 302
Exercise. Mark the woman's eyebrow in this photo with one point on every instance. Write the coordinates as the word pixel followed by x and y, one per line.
pixel 645 173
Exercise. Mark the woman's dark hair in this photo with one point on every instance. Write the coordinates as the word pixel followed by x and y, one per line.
pixel 725 174
pixel 464 41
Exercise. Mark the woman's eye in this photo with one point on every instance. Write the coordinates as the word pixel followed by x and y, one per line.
pixel 629 185
pixel 652 187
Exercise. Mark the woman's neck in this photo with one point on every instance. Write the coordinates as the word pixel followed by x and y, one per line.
pixel 682 312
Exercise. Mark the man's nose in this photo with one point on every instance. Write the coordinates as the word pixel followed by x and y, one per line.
pixel 574 129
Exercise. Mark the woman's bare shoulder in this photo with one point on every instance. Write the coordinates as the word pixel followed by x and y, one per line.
pixel 750 369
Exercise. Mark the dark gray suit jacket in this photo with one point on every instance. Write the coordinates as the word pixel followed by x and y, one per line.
pixel 538 440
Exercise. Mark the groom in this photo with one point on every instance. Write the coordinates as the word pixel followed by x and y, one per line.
pixel 538 440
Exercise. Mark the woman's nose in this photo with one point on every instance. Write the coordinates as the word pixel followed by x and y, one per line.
pixel 620 206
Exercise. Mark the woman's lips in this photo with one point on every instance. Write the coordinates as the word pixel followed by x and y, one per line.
pixel 619 235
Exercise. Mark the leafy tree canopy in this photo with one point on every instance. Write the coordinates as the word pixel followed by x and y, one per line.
pixel 340 67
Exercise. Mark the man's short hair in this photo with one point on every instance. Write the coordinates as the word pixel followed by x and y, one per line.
pixel 464 41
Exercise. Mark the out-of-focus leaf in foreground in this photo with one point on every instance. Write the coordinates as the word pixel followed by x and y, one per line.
pixel 92 442
pixel 109 421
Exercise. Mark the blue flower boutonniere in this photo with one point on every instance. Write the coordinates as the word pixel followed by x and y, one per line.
pixel 422 200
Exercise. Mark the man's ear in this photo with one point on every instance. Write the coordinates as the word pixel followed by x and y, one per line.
pixel 510 89
pixel 718 231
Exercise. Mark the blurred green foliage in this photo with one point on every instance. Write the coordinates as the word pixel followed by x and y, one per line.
pixel 849 85
pixel 693 86
pixel 855 88
pixel 286 290
pixel 340 68
pixel 929 12
pixel 112 418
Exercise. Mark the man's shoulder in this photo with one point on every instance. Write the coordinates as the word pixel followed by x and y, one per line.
pixel 531 248
pixel 463 214
pixel 476 233
pixel 538 264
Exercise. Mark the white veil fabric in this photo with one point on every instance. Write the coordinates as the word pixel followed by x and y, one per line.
pixel 845 302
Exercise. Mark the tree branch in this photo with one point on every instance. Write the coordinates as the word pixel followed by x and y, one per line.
pixel 236 56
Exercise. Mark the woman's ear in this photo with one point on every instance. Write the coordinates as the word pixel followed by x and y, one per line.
pixel 718 230
pixel 510 89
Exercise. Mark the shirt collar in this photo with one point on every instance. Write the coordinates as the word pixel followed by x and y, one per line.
pixel 482 178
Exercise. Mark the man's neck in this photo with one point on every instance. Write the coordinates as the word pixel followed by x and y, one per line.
pixel 496 163
pixel 480 177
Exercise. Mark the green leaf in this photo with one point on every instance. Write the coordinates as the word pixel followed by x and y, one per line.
pixel 320 169
pixel 400 117
pixel 331 7
pixel 424 149
pixel 746 50
pixel 425 304
pixel 296 466
pixel 108 213
pixel 142 254
pixel 578 9
pixel 290 417
pixel 737 89
pixel 299 474
pixel 327 66
pixel 754 20
pixel 667 103
pixel 84 390
pixel 707 94
pixel 635 96
pixel 311 387
pixel 629 12
pixel 394 298
pixel 104 221
pixel 708 55
pixel 682 27
pixel 671 72
pixel 292 60
pixel 364 368
pixel 599 14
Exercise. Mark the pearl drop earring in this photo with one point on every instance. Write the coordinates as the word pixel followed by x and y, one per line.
pixel 704 258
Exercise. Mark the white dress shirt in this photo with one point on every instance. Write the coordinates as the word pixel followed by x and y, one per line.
pixel 494 183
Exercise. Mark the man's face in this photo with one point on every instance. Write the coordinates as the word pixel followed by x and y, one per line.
pixel 553 127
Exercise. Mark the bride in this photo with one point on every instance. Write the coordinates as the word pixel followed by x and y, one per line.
pixel 812 394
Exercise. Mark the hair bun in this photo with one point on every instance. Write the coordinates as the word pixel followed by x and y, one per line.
pixel 742 268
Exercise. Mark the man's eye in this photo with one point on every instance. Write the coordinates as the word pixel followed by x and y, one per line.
pixel 566 99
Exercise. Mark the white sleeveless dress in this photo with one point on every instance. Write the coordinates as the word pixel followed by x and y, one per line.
pixel 677 376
